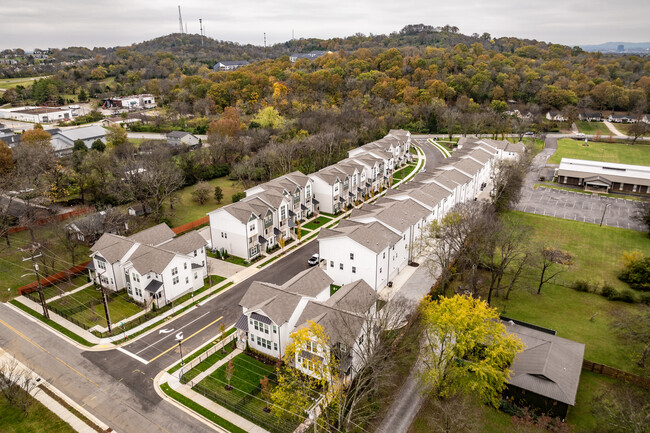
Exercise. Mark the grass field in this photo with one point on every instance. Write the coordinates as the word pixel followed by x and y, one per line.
pixel 403 172
pixel 12 267
pixel 119 307
pixel 65 286
pixel 186 209
pixel 637 154
pixel 12 83
pixel 592 128
pixel 583 317
pixel 38 419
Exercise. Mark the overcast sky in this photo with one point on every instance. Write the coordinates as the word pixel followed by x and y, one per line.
pixel 60 23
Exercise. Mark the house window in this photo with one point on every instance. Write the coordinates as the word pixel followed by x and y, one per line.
pixel 101 265
pixel 136 277
pixel 275 346
pixel 384 254
pixel 174 271
pixel 185 265
pixel 225 235
pixel 196 276
pixel 283 213
pixel 187 280
pixel 195 253
pixel 275 329
pixel 128 289
pixel 351 256
pixel 175 280
pixel 331 263
pixel 380 270
pixel 341 266
pixel 354 269
pixel 251 228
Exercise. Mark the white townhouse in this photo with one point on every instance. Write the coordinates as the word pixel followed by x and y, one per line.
pixel 153 265
pixel 328 189
pixel 370 251
pixel 268 213
pixel 271 313
pixel 377 241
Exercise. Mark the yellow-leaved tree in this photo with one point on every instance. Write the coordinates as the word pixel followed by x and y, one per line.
pixel 309 378
pixel 466 349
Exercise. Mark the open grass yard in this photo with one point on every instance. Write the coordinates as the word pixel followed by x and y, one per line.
pixel 403 172
pixel 536 143
pixel 637 154
pixel 38 419
pixel 580 316
pixel 12 83
pixel 208 362
pixel 65 286
pixel 593 128
pixel 55 258
pixel 317 222
pixel 187 210
pixel 244 399
pixel 87 308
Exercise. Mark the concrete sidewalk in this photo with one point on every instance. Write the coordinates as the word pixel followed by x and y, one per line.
pixel 53 405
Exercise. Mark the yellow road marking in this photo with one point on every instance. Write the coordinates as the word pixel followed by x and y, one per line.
pixel 185 339
pixel 20 334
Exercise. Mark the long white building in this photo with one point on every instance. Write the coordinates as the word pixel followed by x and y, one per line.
pixel 377 241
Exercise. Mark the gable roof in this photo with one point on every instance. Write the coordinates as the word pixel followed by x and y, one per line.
pixel 111 247
pixel 309 282
pixel 275 303
pixel 374 236
pixel 155 235
pixel 147 259
pixel 190 241
pixel 549 365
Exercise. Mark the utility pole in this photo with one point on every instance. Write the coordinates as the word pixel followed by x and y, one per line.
pixel 265 40
pixel 105 302
pixel 33 258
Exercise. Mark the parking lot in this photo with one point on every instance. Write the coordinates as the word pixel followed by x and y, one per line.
pixel 580 207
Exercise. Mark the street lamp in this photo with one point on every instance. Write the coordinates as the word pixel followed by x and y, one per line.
pixel 603 217
pixel 179 338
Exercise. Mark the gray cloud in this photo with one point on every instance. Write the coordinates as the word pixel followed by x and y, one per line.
pixel 59 23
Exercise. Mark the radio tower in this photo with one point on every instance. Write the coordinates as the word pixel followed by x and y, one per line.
pixel 180 19
pixel 201 27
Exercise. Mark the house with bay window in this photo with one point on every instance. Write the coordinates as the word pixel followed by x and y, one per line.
pixel 153 266
pixel 271 313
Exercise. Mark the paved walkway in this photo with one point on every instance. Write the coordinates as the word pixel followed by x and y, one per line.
pixel 613 129
pixel 215 366
pixel 78 289
pixel 53 405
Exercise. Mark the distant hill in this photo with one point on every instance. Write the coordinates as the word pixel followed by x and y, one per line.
pixel 628 47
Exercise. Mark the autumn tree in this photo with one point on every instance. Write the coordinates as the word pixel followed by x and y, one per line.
pixel 228 125
pixel 465 348
pixel 269 118
pixel 201 192
pixel 551 262
pixel 230 371
pixel 116 136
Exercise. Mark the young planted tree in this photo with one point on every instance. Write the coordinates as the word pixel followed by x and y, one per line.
pixel 265 392
pixel 552 262
pixel 466 348
pixel 230 371
pixel 218 194
pixel 222 337
pixel 282 242
pixel 16 384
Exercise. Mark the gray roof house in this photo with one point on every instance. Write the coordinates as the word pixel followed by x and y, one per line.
pixel 63 140
pixel 545 376
pixel 177 138
pixel 88 229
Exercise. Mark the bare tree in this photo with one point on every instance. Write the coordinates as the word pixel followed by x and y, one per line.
pixel 622 409
pixel 552 261
pixel 454 414
pixel 16 384
pixel 508 178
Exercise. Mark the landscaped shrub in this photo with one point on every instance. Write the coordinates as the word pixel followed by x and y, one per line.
pixel 581 286
pixel 645 298
pixel 510 408
pixel 637 274
pixel 608 291
pixel 627 296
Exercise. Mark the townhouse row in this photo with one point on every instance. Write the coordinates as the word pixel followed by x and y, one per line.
pixel 154 266
pixel 271 210
pixel 378 240
pixel 271 313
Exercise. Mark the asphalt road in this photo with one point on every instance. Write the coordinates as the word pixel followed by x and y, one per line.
pixel 433 155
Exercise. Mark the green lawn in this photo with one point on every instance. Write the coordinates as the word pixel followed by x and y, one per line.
pixel 317 222
pixel 119 307
pixel 403 172
pixel 186 209
pixel 583 317
pixel 244 399
pixel 38 419
pixel 592 128
pixel 638 154
pixel 208 362
pixel 12 267
pixel 65 286
pixel 537 143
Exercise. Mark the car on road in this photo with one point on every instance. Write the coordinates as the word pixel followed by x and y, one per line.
pixel 313 260
pixel 579 135
pixel 529 134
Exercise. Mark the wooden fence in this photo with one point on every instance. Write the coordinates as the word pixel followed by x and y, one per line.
pixel 53 279
pixel 616 373
pixel 59 217
pixel 191 225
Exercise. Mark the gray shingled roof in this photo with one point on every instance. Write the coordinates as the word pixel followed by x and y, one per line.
pixel 549 365
pixel 309 282
pixel 185 244
pixel 374 236
pixel 357 297
pixel 111 247
pixel 154 235
pixel 271 300
pixel 147 259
